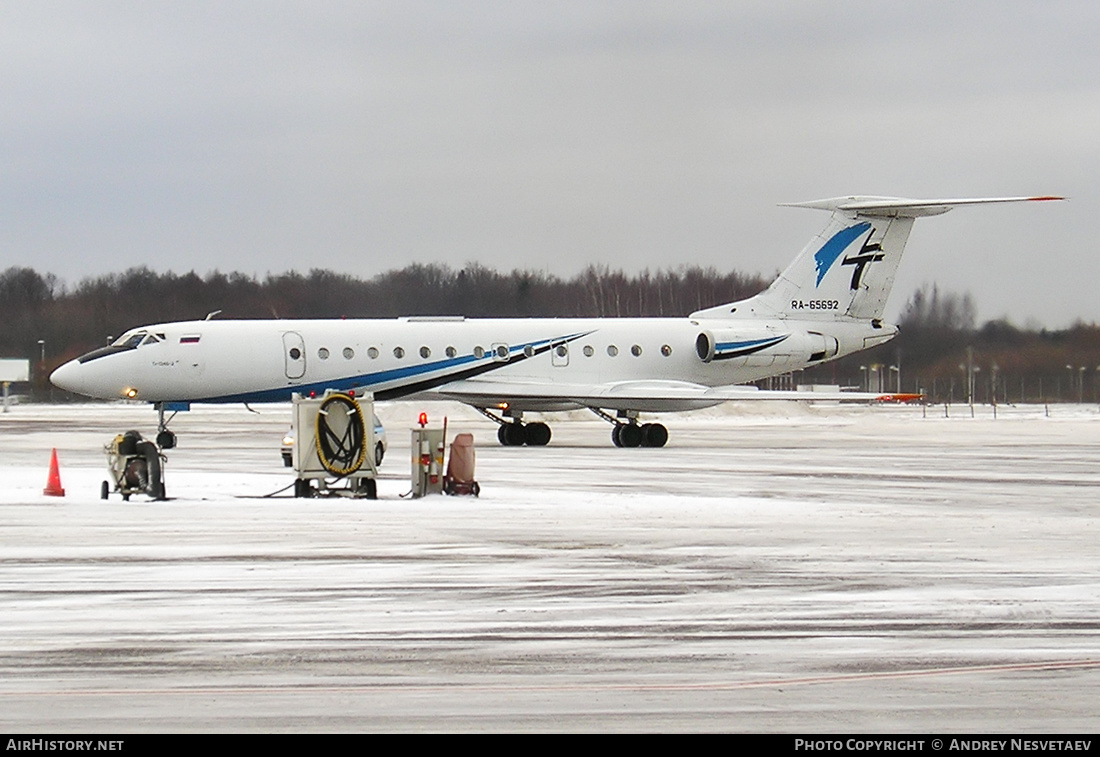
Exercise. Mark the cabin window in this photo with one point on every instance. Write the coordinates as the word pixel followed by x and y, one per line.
pixel 323 353
pixel 451 351
pixel 348 353
pixel 636 350
pixel 372 352
pixel 588 351
pixel 529 351
pixel 399 352
pixel 295 353
pixel 425 353
pixel 562 350
pixel 666 349
pixel 612 350
pixel 479 352
pixel 502 352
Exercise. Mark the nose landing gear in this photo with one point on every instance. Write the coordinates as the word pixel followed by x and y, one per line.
pixel 165 438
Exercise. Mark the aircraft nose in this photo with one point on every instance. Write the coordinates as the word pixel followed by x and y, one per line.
pixel 92 378
pixel 67 377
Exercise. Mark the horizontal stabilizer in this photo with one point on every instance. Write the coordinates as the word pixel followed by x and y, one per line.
pixel 896 207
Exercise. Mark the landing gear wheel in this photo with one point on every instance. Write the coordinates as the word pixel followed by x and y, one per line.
pixel 538 434
pixel 615 434
pixel 630 435
pixel 654 435
pixel 515 434
pixel 379 453
pixel 104 490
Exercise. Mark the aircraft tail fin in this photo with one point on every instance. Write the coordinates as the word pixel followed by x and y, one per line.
pixel 848 269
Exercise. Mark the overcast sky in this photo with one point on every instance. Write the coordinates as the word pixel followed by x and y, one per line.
pixel 269 136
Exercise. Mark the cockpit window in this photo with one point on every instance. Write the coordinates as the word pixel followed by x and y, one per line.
pixel 130 340
pixel 126 342
pixel 134 339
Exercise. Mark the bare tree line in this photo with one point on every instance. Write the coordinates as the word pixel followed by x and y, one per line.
pixel 41 316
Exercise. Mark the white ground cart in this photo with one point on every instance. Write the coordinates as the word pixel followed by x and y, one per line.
pixel 332 436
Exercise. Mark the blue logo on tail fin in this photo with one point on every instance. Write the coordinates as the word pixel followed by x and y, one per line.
pixel 831 250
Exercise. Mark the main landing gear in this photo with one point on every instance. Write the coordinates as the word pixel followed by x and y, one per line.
pixel 633 435
pixel 629 433
pixel 626 433
pixel 516 433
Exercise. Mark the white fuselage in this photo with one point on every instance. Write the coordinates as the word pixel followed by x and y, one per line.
pixel 540 363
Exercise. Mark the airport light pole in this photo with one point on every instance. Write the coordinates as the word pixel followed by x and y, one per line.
pixel 993 388
pixel 970 370
pixel 41 363
pixel 973 385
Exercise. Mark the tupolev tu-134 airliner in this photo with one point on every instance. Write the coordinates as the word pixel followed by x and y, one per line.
pixel 827 304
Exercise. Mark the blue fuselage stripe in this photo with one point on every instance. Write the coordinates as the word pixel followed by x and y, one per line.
pixel 380 380
pixel 726 350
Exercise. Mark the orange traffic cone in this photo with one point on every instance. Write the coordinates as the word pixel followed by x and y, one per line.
pixel 53 483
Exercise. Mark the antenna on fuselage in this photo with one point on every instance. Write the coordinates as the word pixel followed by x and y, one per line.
pixel 211 314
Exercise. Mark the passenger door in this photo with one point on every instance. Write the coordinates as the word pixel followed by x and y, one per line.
pixel 294 352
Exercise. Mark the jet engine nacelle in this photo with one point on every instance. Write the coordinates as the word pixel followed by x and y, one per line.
pixel 733 343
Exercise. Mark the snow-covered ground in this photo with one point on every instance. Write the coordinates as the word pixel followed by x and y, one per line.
pixel 822 568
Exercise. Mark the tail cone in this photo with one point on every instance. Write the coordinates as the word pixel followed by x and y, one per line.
pixel 53 483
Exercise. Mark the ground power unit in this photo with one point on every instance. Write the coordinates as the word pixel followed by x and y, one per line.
pixel 333 451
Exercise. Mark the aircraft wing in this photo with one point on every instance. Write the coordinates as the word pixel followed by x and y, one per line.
pixel 649 396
